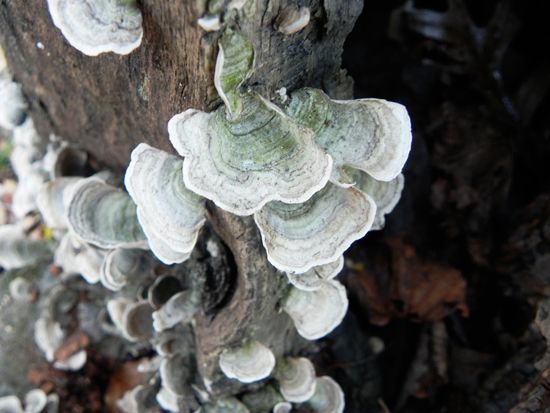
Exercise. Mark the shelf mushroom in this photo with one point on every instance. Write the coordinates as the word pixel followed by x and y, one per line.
pixel 171 215
pixel 104 216
pixel 317 313
pixel 386 194
pixel 249 363
pixel 373 135
pixel 328 397
pixel 247 152
pixel 298 237
pixel 296 377
pixel 98 26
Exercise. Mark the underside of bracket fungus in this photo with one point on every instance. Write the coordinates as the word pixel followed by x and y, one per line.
pixel 296 377
pixel 386 194
pixel 247 152
pixel 314 278
pixel 328 397
pixel 51 201
pixel 372 135
pixel 98 26
pixel 104 216
pixel 317 313
pixel 298 237
pixel 249 363
pixel 171 215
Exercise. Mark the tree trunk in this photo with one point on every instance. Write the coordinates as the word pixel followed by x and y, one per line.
pixel 108 104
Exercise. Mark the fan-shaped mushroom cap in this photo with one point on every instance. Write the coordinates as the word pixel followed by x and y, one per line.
pixel 35 401
pixel 312 279
pixel 132 319
pixel 51 201
pixel 241 165
pixel 120 265
pixel 12 103
pixel 180 308
pixel 298 237
pixel 386 194
pixel 16 250
pixel 171 215
pixel 77 257
pixel 296 377
pixel 328 397
pixel 103 215
pixel 282 407
pixel 249 363
pixel 317 313
pixel 98 26
pixel 21 290
pixel 373 135
pixel 10 404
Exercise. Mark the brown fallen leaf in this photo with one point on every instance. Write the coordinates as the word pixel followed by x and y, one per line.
pixel 123 379
pixel 73 344
pixel 398 283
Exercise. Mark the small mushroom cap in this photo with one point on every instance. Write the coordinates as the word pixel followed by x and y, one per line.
pixel 35 401
pixel 249 363
pixel 210 23
pixel 104 216
pixel 120 265
pixel 317 313
pixel 298 237
pixel 51 201
pixel 21 289
pixel 132 319
pixel 328 397
pixel 180 308
pixel 77 257
pixel 282 407
pixel 171 215
pixel 313 279
pixel 296 377
pixel 373 135
pixel 10 404
pixel 98 26
pixel 12 103
pixel 386 194
pixel 241 165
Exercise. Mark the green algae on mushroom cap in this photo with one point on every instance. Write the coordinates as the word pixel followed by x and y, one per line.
pixel 373 135
pixel 171 215
pixel 104 216
pixel 99 26
pixel 241 165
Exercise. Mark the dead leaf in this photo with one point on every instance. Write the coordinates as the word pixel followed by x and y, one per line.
pixel 400 284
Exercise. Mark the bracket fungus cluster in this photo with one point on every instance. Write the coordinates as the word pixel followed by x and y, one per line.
pixel 315 174
pixel 98 26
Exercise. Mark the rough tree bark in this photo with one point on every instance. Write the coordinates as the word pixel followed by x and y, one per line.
pixel 108 104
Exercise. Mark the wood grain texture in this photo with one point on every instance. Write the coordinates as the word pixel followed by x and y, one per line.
pixel 108 104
